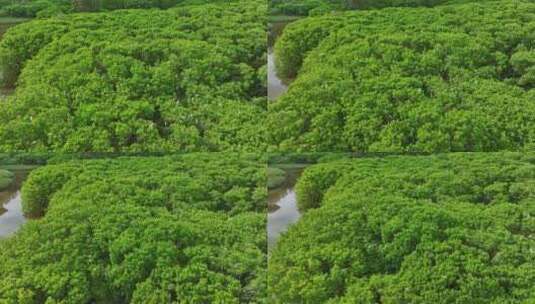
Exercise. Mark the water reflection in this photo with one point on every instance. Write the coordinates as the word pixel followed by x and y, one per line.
pixel 11 216
pixel 275 85
pixel 282 205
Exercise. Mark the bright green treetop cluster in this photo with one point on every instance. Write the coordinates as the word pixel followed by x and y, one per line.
pixel 47 8
pixel 175 229
pixel 455 228
pixel 317 7
pixel 183 79
pixel 449 78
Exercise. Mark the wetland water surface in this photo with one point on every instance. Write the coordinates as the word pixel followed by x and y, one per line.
pixel 11 216
pixel 282 205
pixel 276 86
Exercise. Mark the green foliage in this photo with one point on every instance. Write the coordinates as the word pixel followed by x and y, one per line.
pixel 314 182
pixel 455 228
pixel 30 8
pixel 24 158
pixel 275 177
pixel 449 78
pixel 318 7
pixel 38 190
pixel 5 24
pixel 185 228
pixel 183 79
pixel 295 158
pixel 48 8
pixel 6 178
pixel 298 7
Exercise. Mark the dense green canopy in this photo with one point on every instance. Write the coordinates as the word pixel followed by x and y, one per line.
pixel 455 228
pixel 316 7
pixel 47 8
pixel 176 229
pixel 183 79
pixel 449 78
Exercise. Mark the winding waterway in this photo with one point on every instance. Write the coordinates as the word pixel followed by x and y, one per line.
pixel 282 203
pixel 11 216
pixel 276 87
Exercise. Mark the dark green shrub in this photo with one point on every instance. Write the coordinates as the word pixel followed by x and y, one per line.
pixel 313 184
pixel 26 9
pixel 39 188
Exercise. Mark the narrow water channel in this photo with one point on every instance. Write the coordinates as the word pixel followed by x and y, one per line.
pixel 11 216
pixel 282 205
pixel 276 87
